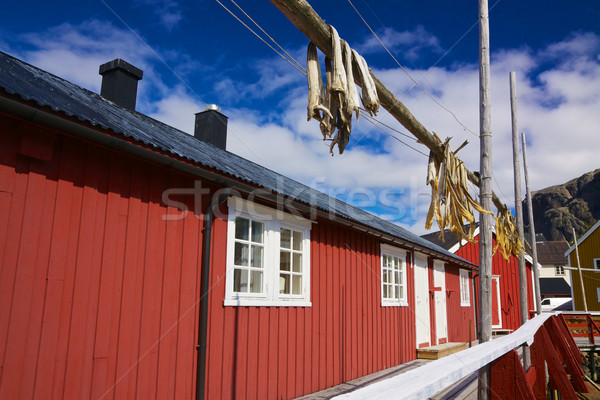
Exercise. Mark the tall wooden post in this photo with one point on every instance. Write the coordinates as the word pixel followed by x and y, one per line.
pixel 485 189
pixel 536 273
pixel 580 275
pixel 518 204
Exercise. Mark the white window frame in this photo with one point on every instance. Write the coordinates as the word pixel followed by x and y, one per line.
pixel 559 270
pixel 596 262
pixel 273 221
pixel 465 295
pixel 401 254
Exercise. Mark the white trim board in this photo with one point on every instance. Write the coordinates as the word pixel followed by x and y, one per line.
pixel 432 378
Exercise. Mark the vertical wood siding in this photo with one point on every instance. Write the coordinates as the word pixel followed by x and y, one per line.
pixel 588 250
pixel 99 295
pixel 460 318
pixel 285 352
pixel 509 282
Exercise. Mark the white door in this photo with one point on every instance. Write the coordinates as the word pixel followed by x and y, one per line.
pixel 441 319
pixel 422 301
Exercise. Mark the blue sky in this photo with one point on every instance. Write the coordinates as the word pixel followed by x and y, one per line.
pixel 194 52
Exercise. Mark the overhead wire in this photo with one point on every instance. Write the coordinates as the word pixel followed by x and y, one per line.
pixel 273 40
pixel 377 123
pixel 417 83
pixel 301 69
pixel 408 74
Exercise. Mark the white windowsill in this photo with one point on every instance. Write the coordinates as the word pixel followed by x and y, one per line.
pixel 265 303
pixel 394 304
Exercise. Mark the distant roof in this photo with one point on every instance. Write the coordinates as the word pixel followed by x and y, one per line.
pixel 552 252
pixel 48 91
pixel 554 287
pixel 450 239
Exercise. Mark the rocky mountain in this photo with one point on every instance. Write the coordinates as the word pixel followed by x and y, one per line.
pixel 558 209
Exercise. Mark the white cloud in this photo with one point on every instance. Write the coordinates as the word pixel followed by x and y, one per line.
pixel 558 101
pixel 410 44
pixel 169 12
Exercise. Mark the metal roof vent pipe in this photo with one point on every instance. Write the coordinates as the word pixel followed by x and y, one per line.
pixel 119 82
pixel 211 126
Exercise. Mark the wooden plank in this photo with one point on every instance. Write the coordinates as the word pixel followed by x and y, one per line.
pixel 262 379
pixel 72 160
pixel 273 352
pixel 110 277
pixel 153 271
pixel 131 290
pixel 252 366
pixel 187 334
pixel 441 350
pixel 55 277
pixel 557 374
pixel 508 379
pixel 169 305
pixel 282 373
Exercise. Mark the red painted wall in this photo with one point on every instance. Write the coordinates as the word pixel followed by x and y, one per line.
pixel 509 282
pixel 285 352
pixel 98 294
pixel 459 318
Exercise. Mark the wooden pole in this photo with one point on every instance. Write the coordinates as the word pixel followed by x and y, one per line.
pixel 580 274
pixel 536 273
pixel 518 204
pixel 519 213
pixel 485 189
pixel 304 17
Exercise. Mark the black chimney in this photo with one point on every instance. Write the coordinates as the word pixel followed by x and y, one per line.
pixel 211 126
pixel 119 82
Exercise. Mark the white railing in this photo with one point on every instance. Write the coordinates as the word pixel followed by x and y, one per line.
pixel 429 379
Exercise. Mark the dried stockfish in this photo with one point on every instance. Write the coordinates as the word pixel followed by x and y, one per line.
pixel 352 100
pixel 450 192
pixel 316 89
pixel 369 96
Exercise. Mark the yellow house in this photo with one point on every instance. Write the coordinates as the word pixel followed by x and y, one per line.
pixel 589 257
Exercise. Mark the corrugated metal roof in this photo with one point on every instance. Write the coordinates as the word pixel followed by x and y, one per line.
pixel 47 90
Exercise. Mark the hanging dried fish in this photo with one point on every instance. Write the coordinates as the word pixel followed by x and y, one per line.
pixel 338 82
pixel 449 190
pixel 352 100
pixel 316 89
pixel 507 237
pixel 369 96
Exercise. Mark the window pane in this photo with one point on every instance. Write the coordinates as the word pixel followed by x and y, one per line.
pixel 297 264
pixel 396 263
pixel 240 280
pixel 384 277
pixel 297 240
pixel 296 284
pixel 242 227
pixel 240 256
pixel 397 277
pixel 392 292
pixel 255 281
pixel 284 284
pixel 401 292
pixel 284 260
pixel 257 256
pixel 257 231
pixel 286 237
pixel 385 291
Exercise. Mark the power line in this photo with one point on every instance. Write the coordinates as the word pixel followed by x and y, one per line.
pixel 262 39
pixel 273 40
pixel 408 74
pixel 374 122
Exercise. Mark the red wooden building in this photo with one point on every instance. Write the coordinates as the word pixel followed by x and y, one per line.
pixel 506 314
pixel 140 261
